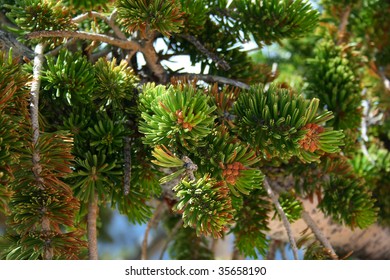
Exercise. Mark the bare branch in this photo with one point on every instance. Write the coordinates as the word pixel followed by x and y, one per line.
pixel 110 20
pixel 175 229
pixel 153 61
pixel 319 234
pixel 285 221
pixel 214 79
pixel 151 223
pixel 219 61
pixel 36 157
pixel 124 44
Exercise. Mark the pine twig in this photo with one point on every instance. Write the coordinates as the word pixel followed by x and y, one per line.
pixel 214 79
pixel 152 221
pixel 124 44
pixel 175 229
pixel 220 62
pixel 110 20
pixel 92 231
pixel 285 221
pixel 319 234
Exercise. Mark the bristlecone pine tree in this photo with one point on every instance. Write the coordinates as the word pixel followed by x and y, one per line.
pixel 258 146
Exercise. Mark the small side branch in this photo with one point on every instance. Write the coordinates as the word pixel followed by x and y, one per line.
pixel 285 221
pixel 319 235
pixel 92 231
pixel 110 20
pixel 151 223
pixel 214 79
pixel 178 225
pixel 220 62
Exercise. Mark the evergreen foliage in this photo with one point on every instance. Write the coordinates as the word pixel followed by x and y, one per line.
pixel 207 145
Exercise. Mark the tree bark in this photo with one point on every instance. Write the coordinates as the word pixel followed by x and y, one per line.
pixel 92 231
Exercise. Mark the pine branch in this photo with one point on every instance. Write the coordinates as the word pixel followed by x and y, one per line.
pixel 124 44
pixel 110 20
pixel 219 61
pixel 283 217
pixel 343 25
pixel 146 48
pixel 92 231
pixel 214 79
pixel 151 223
pixel 152 59
pixel 319 235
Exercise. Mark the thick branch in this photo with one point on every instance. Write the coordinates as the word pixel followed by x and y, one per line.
pixel 36 158
pixel 343 24
pixel 153 61
pixel 219 61
pixel 285 221
pixel 214 79
pixel 92 231
pixel 124 44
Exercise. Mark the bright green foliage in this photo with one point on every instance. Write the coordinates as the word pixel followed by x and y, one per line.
pixel 115 84
pixel 206 205
pixel 273 20
pixel 195 15
pixel 283 124
pixel 230 160
pixel 106 137
pixel 375 169
pixel 112 127
pixel 150 15
pixel 69 77
pixel 37 15
pixel 178 115
pixel 291 207
pixel 94 174
pixel 348 201
pixel 332 77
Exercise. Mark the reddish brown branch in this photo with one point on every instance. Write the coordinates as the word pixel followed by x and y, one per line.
pixel 343 25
